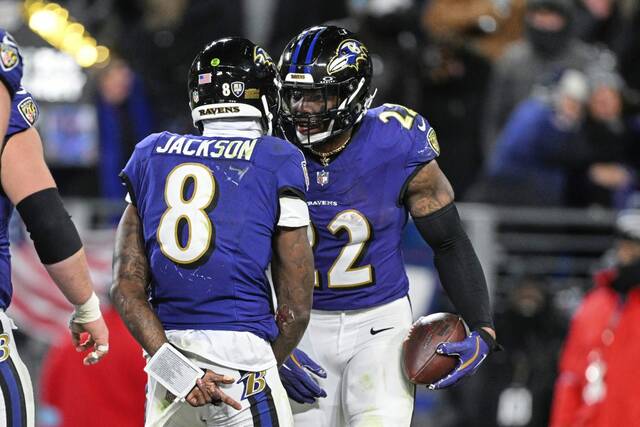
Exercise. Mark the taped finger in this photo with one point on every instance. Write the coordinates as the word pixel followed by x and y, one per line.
pixel 104 348
pixel 92 358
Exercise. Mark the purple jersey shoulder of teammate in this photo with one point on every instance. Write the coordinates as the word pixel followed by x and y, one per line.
pixel 24 113
pixel 10 62
pixel 209 208
pixel 357 210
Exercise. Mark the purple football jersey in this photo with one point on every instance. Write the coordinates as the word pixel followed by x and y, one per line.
pixel 10 62
pixel 209 208
pixel 357 210
pixel 24 113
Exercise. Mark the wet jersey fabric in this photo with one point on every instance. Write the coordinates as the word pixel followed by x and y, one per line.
pixel 209 208
pixel 357 211
pixel 24 113
pixel 10 63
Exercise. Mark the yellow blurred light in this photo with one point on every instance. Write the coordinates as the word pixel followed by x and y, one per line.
pixel 103 54
pixel 71 42
pixel 86 55
pixel 45 23
pixel 33 6
pixel 75 28
pixel 62 13
pixel 89 41
pixel 52 22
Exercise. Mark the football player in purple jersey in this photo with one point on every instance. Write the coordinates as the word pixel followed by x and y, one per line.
pixel 10 76
pixel 207 215
pixel 28 185
pixel 369 169
pixel 5 110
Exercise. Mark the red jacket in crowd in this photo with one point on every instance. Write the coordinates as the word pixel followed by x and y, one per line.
pixel 595 336
pixel 108 394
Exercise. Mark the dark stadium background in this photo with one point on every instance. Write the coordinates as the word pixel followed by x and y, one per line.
pixel 104 85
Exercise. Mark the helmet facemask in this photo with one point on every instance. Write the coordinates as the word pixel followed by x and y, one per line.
pixel 311 114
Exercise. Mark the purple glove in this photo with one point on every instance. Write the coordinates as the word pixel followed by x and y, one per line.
pixel 296 379
pixel 471 351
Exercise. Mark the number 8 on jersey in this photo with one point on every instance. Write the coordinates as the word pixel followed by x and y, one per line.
pixel 187 210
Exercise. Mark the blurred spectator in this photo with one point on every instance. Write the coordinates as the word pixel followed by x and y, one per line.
pixel 599 21
pixel 161 42
pixel 293 16
pixel 630 51
pixel 516 385
pixel 486 26
pixel 548 48
pixel 599 363
pixel 124 119
pixel 389 29
pixel 108 394
pixel 540 142
pixel 454 80
pixel 608 175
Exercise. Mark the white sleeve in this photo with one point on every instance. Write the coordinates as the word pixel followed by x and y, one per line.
pixel 293 212
pixel 127 198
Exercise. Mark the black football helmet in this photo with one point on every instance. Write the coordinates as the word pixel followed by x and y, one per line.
pixel 233 77
pixel 329 69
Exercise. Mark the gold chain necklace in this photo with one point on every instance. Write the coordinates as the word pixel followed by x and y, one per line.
pixel 325 157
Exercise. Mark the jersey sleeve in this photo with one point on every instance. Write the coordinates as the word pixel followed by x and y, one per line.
pixel 10 63
pixel 423 145
pixel 132 174
pixel 415 136
pixel 293 183
pixel 24 112
pixel 293 179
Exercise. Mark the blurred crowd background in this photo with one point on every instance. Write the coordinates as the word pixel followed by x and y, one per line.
pixel 537 108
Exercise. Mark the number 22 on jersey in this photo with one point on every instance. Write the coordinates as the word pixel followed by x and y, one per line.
pixel 184 210
pixel 342 273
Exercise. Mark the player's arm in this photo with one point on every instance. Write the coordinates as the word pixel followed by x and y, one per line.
pixel 130 280
pixel 430 201
pixel 29 185
pixel 292 271
pixel 131 276
pixel 5 111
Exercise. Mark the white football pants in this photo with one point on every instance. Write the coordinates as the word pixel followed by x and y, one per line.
pixel 361 351
pixel 262 396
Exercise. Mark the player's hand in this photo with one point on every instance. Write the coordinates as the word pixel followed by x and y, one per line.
pixel 471 352
pixel 207 390
pixel 295 374
pixel 97 340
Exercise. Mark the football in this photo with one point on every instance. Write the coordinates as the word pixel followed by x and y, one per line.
pixel 421 363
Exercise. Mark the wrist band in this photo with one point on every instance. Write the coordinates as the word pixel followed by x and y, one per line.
pixel 87 312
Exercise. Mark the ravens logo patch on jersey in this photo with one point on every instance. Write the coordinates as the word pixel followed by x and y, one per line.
pixel 8 56
pixel 28 110
pixel 433 140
